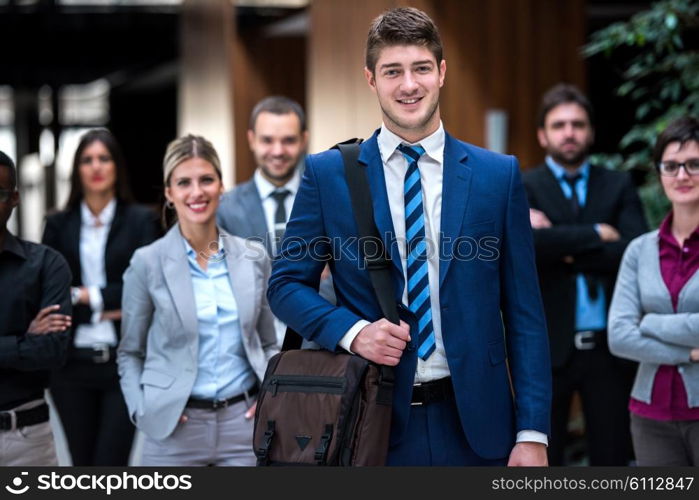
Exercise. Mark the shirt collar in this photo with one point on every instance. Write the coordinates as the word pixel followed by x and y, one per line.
pixel 665 231
pixel 190 251
pixel 433 143
pixel 266 188
pixel 559 172
pixel 13 245
pixel 105 216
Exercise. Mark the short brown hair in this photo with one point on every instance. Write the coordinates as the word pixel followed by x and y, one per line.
pixel 562 93
pixel 402 26
pixel 682 130
pixel 277 105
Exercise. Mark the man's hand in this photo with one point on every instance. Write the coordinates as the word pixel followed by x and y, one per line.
pixel 382 342
pixel 528 454
pixel 538 219
pixel 607 233
pixel 47 321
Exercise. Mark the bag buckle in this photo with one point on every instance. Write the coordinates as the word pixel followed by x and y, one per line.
pixel 322 450
pixel 263 451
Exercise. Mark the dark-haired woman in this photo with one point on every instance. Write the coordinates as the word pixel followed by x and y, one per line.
pixel 654 315
pixel 97 233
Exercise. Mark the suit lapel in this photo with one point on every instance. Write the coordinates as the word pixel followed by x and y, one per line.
pixel 72 235
pixel 595 191
pixel 554 193
pixel 114 229
pixel 179 281
pixel 456 184
pixel 255 214
pixel 371 157
pixel 242 280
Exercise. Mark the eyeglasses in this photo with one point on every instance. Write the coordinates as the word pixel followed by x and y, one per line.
pixel 672 168
pixel 5 195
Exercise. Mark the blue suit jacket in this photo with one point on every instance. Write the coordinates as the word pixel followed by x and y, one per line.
pixel 490 301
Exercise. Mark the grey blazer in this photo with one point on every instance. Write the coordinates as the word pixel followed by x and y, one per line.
pixel 643 326
pixel 240 213
pixel 158 352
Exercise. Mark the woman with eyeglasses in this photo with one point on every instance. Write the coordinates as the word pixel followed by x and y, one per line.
pixel 654 314
pixel 197 329
pixel 97 233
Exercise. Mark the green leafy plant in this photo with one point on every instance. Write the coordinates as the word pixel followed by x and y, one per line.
pixel 661 78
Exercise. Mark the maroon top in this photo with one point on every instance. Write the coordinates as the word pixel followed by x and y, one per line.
pixel 677 265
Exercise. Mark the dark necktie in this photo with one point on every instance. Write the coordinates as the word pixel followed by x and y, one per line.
pixel 416 255
pixel 590 281
pixel 572 181
pixel 279 196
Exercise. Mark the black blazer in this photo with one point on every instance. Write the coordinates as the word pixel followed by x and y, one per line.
pixel 133 226
pixel 612 199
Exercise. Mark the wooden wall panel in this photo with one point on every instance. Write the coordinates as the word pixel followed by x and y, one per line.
pixel 205 97
pixel 263 66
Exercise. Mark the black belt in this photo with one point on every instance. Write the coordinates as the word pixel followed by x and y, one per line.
pixel 217 404
pixel 589 339
pixel 432 392
pixel 11 420
pixel 99 354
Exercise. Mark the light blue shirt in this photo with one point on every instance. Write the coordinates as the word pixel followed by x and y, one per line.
pixel 223 370
pixel 589 314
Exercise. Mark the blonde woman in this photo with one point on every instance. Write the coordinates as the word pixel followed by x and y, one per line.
pixel 197 331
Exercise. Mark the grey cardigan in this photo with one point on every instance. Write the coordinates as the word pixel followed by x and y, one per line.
pixel 643 326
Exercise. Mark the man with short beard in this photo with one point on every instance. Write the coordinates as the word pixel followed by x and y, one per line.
pixel 259 208
pixel 583 217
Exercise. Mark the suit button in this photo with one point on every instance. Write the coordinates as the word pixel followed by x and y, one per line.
pixel 410 347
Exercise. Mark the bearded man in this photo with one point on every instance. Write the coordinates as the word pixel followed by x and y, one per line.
pixel 583 216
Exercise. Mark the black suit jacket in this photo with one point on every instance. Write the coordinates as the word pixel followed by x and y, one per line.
pixel 612 199
pixel 133 226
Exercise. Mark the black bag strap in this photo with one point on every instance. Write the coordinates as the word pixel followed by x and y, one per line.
pixel 372 248
pixel 371 245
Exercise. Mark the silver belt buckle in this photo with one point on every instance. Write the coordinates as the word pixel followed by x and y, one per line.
pixel 585 340
pixel 101 353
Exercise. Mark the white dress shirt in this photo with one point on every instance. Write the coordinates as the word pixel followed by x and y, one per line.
pixel 430 165
pixel 269 205
pixel 94 230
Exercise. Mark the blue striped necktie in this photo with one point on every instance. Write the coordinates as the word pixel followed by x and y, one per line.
pixel 418 283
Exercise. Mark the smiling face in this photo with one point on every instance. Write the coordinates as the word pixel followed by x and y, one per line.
pixel 277 143
pixel 567 134
pixel 683 189
pixel 406 80
pixel 194 189
pixel 97 169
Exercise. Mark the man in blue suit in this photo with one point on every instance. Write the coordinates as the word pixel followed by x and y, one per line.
pixel 471 359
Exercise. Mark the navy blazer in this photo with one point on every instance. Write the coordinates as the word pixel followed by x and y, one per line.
pixel 490 301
